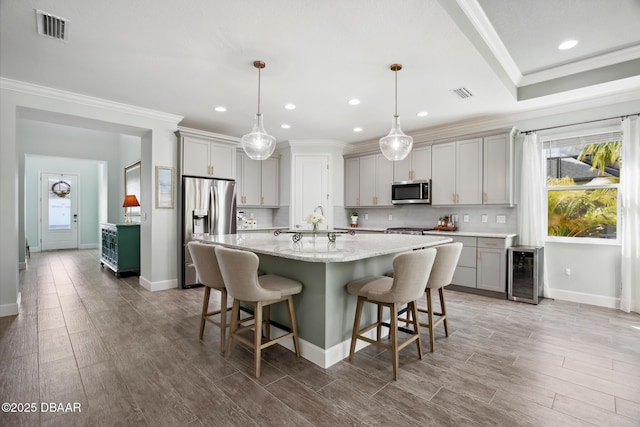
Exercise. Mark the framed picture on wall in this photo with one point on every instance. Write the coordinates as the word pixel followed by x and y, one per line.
pixel 132 186
pixel 164 187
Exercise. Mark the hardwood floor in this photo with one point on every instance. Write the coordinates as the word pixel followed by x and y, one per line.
pixel 132 357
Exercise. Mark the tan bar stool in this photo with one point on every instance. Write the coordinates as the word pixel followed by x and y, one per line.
pixel 208 272
pixel 411 271
pixel 239 270
pixel 441 275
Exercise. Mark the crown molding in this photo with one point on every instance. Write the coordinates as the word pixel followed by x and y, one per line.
pixel 47 92
pixel 481 23
pixel 182 131
pixel 612 58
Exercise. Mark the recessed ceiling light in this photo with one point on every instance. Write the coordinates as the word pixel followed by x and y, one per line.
pixel 357 129
pixel 354 101
pixel 422 114
pixel 220 109
pixel 568 44
pixel 285 126
pixel 290 106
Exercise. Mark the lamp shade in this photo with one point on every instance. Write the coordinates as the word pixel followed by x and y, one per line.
pixel 130 200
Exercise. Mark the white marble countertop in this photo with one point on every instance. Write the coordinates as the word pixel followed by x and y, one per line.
pixel 494 235
pixel 258 229
pixel 346 248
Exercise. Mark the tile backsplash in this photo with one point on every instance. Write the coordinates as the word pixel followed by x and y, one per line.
pixel 427 216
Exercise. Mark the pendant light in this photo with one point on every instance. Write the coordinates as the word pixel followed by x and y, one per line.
pixel 396 145
pixel 258 144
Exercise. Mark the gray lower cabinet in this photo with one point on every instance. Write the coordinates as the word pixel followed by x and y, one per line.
pixel 482 264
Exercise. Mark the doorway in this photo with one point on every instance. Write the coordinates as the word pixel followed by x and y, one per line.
pixel 311 188
pixel 58 211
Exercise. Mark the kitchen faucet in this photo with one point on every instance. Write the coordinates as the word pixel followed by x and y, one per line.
pixel 321 209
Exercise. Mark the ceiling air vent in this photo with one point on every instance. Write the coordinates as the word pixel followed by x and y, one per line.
pixel 463 92
pixel 52 26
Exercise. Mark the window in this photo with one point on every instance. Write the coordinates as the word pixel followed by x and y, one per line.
pixel 583 173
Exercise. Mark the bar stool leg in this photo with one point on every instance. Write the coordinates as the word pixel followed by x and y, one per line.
pixel 205 307
pixel 443 308
pixel 257 338
pixel 394 338
pixel 413 308
pixel 294 325
pixel 356 327
pixel 234 326
pixel 223 318
pixel 432 339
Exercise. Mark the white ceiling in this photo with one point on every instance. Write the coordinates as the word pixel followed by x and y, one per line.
pixel 186 57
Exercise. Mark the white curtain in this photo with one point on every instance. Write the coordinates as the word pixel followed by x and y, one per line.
pixel 532 181
pixel 630 192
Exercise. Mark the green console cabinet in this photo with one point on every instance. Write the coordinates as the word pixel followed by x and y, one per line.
pixel 120 247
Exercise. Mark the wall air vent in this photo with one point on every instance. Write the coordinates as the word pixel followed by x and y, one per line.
pixel 52 26
pixel 463 92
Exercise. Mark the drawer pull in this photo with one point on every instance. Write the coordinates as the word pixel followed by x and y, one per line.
pixel 491 243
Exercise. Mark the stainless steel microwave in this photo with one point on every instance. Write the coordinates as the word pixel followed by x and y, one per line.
pixel 411 192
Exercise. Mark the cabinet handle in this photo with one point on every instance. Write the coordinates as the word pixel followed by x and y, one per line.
pixel 484 197
pixel 262 200
pixel 453 197
pixel 212 171
pixel 358 201
pixel 457 198
pixel 491 243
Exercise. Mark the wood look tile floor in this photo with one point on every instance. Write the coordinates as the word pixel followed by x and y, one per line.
pixel 132 357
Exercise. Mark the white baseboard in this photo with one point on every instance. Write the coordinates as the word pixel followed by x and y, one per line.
pixel 582 298
pixel 321 357
pixel 22 265
pixel 89 246
pixel 10 309
pixel 158 286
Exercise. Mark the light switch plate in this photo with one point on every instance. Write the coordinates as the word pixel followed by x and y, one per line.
pixel 390 217
pixel 465 218
pixel 485 218
pixel 501 219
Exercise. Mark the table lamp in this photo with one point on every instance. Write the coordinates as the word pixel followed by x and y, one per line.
pixel 130 200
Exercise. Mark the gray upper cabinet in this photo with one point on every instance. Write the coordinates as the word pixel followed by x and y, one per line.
pixel 206 154
pixel 368 181
pixel 476 171
pixel 457 173
pixel 258 181
pixel 415 167
pixel 497 175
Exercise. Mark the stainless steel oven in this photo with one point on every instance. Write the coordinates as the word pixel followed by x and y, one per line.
pixel 411 192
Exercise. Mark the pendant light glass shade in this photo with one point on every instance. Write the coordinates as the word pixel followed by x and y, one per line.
pixel 258 144
pixel 396 145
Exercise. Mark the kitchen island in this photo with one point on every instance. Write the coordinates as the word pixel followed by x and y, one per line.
pixel 324 309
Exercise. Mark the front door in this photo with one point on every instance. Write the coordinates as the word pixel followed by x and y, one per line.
pixel 59 211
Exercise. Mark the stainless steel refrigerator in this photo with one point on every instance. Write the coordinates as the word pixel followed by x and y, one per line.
pixel 208 206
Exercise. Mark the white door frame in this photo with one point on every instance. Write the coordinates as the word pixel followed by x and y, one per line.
pixel 42 197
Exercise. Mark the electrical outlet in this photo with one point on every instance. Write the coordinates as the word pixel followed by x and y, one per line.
pixel 390 217
pixel 567 271
pixel 501 219
pixel 465 218
pixel 366 216
pixel 485 218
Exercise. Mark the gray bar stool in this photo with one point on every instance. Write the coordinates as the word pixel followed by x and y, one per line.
pixel 441 275
pixel 240 272
pixel 411 271
pixel 208 271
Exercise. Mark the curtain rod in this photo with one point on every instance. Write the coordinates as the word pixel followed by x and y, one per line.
pixel 527 132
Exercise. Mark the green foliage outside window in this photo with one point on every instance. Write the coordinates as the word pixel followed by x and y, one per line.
pixel 589 210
